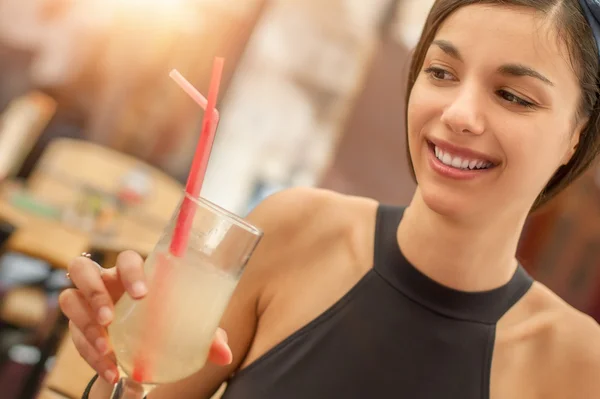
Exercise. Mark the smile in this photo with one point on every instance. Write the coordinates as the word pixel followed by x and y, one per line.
pixel 458 162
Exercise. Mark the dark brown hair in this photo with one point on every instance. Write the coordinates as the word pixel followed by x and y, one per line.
pixel 574 30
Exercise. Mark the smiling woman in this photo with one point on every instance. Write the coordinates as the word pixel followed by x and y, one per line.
pixel 539 58
pixel 348 298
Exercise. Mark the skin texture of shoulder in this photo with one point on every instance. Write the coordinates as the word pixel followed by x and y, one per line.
pixel 566 347
pixel 585 355
pixel 576 360
pixel 296 223
pixel 545 349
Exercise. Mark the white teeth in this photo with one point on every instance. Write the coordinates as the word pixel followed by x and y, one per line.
pixel 447 159
pixel 458 162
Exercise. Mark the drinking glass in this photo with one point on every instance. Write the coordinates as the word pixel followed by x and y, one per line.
pixel 166 336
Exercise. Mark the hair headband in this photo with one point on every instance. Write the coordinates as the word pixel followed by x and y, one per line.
pixel 591 10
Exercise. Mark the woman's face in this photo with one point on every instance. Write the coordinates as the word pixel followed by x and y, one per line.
pixel 492 114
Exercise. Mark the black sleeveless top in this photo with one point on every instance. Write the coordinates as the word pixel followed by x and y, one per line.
pixel 395 334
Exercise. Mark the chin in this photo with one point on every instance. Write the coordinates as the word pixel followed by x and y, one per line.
pixel 457 195
pixel 446 203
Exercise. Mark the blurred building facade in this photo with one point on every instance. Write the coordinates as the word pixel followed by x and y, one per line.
pixel 107 63
pixel 296 86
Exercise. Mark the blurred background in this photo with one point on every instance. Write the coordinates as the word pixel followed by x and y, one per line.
pixel 96 142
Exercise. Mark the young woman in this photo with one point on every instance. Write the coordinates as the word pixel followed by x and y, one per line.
pixel 346 298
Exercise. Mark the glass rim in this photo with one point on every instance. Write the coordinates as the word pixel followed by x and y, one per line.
pixel 230 216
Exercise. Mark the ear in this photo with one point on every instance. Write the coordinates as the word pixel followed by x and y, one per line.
pixel 574 141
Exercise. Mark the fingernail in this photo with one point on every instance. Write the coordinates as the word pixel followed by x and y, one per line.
pixel 105 315
pixel 223 335
pixel 230 357
pixel 102 346
pixel 139 289
pixel 110 376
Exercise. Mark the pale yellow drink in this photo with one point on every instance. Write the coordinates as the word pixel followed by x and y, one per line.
pixel 191 303
pixel 166 336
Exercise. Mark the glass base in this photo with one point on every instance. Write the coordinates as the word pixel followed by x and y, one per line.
pixel 127 388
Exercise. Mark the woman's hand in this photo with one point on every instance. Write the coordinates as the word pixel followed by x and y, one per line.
pixel 90 309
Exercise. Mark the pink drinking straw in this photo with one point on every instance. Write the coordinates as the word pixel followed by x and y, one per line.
pixel 144 361
pixel 192 92
pixel 199 164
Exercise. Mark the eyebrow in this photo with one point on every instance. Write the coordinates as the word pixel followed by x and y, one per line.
pixel 517 70
pixel 522 70
pixel 449 48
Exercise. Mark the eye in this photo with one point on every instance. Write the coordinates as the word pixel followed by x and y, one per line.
pixel 514 99
pixel 439 74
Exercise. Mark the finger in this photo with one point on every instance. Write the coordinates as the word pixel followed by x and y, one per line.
pixel 85 275
pixel 220 353
pixel 114 286
pixel 130 269
pixel 102 364
pixel 75 307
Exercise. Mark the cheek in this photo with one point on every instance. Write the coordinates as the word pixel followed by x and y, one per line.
pixel 424 108
pixel 533 153
pixel 423 112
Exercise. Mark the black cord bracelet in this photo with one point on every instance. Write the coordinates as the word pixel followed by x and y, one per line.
pixel 86 393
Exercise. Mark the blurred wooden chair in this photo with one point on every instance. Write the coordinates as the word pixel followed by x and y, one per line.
pixel 50 242
pixel 29 307
pixel 70 374
pixel 24 307
pixel 21 124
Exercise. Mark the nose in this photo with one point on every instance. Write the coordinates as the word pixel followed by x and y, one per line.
pixel 464 115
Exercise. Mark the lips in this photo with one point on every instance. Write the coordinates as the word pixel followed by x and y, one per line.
pixel 458 163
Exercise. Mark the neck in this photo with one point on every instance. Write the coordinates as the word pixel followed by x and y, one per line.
pixel 477 256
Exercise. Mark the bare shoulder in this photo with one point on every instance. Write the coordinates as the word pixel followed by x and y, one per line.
pixel 581 336
pixel 297 206
pixel 572 346
pixel 311 234
pixel 299 218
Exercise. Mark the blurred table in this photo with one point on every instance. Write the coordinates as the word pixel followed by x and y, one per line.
pixel 37 232
pixel 49 241
pixel 67 170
